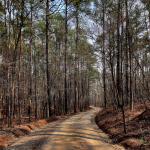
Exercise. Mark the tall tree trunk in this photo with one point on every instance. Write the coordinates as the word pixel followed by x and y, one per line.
pixel 126 56
pixel 103 58
pixel 118 72
pixel 65 57
pixel 76 57
pixel 47 60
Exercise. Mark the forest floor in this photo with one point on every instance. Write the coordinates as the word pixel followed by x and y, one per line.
pixel 137 123
pixel 76 132
pixel 8 135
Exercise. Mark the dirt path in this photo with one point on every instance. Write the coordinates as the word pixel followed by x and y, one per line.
pixel 79 132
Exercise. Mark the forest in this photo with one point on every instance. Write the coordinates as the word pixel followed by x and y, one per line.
pixel 66 57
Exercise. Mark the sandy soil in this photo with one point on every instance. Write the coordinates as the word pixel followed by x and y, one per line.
pixel 78 132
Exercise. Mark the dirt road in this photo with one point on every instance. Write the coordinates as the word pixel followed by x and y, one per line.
pixel 79 132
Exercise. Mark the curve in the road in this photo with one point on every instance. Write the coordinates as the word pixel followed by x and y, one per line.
pixel 79 132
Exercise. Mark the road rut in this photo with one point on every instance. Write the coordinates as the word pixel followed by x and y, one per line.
pixel 78 132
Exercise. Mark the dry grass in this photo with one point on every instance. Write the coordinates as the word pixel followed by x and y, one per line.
pixel 4 141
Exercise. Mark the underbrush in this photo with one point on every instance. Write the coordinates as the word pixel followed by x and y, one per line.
pixel 8 135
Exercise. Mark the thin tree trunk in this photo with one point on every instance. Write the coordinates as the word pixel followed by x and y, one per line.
pixel 47 60
pixel 103 57
pixel 65 57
